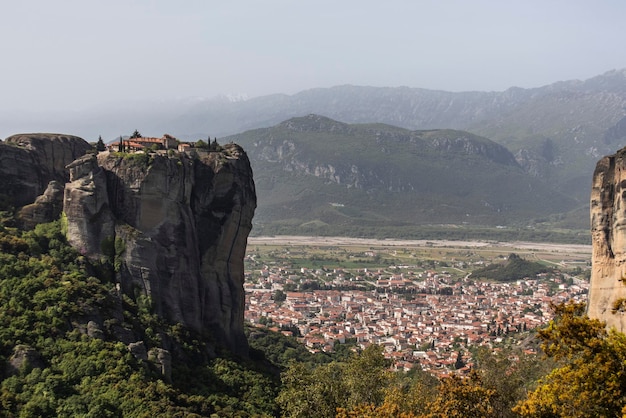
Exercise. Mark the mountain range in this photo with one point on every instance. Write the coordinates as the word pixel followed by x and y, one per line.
pixel 555 133
pixel 315 175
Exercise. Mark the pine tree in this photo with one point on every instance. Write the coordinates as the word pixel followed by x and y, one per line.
pixel 100 144
pixel 459 363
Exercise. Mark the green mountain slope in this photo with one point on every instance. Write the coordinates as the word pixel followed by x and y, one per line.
pixel 55 363
pixel 313 173
pixel 557 132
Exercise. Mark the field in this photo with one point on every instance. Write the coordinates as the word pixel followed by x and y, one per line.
pixel 460 256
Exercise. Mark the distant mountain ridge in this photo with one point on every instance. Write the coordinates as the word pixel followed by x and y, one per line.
pixel 411 108
pixel 313 172
pixel 556 132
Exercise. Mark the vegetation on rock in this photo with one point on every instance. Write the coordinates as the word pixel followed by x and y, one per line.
pixel 49 298
pixel 515 268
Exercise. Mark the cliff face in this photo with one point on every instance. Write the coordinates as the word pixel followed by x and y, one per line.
pixel 28 162
pixel 607 292
pixel 175 227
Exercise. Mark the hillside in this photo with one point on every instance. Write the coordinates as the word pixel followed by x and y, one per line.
pixel 60 355
pixel 315 174
pixel 515 268
pixel 557 132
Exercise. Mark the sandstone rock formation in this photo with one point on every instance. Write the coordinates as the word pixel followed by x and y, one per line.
pixel 29 162
pixel 175 227
pixel 607 292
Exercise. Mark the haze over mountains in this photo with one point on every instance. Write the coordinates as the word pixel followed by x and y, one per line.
pixel 556 133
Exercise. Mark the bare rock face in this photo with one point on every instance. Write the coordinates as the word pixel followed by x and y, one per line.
pixel 162 360
pixel 29 162
pixel 176 229
pixel 138 349
pixel 607 292
pixel 23 356
pixel 46 207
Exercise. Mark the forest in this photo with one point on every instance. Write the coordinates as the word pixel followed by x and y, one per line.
pixel 53 365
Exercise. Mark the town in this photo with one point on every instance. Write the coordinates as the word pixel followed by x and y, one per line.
pixel 431 312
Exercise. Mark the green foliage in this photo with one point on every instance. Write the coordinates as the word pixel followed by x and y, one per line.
pixel 462 398
pixel 139 159
pixel 422 232
pixel 279 296
pixel 515 268
pixel 367 376
pixel 318 391
pixel 590 379
pixel 100 146
pixel 314 392
pixel 227 388
pixel 64 224
pixel 113 249
pixel 87 377
pixel 280 350
pixel 43 284
pixel 214 146
pixel 47 290
pixel 136 159
pixel 512 374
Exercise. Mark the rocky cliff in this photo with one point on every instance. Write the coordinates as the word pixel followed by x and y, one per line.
pixel 607 293
pixel 175 228
pixel 29 162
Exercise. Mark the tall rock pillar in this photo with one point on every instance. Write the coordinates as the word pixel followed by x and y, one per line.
pixel 175 226
pixel 607 292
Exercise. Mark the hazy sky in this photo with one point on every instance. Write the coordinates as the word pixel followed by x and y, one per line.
pixel 66 54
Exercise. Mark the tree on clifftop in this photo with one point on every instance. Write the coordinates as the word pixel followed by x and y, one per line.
pixel 100 144
pixel 136 134
pixel 201 144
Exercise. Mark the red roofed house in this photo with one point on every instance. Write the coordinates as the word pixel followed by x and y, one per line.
pixel 139 144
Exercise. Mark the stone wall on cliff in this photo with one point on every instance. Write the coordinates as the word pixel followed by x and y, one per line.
pixel 175 226
pixel 607 292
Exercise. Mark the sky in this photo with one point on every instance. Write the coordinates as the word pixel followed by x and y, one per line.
pixel 76 54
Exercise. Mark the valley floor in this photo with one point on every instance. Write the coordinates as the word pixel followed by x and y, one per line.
pixel 417 298
pixel 583 250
